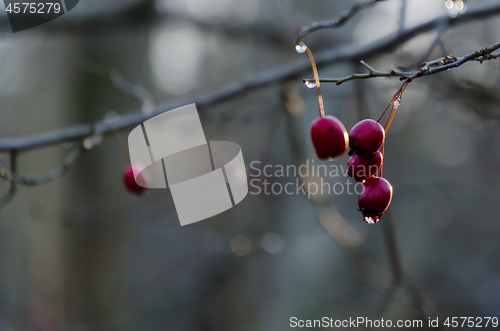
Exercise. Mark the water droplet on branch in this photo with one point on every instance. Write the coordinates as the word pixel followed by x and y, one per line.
pixel 300 48
pixel 310 84
pixel 397 102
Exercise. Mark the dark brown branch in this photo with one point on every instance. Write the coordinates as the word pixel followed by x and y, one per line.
pixel 258 80
pixel 370 74
pixel 428 68
pixel 56 173
pixel 480 55
pixel 335 22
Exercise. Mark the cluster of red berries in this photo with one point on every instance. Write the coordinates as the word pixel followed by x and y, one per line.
pixel 330 140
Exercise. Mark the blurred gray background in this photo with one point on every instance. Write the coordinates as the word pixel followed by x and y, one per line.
pixel 83 254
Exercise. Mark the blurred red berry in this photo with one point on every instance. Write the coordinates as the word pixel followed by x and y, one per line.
pixel 130 182
pixel 329 137
pixel 366 137
pixel 364 167
pixel 375 199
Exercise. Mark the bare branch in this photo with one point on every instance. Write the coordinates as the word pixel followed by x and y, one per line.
pixel 441 29
pixel 491 56
pixel 480 55
pixel 428 68
pixel 56 173
pixel 250 83
pixel 136 91
pixel 372 73
pixel 128 88
pixel 335 22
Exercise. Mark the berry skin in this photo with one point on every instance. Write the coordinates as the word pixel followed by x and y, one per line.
pixel 364 167
pixel 130 182
pixel 374 199
pixel 329 137
pixel 366 137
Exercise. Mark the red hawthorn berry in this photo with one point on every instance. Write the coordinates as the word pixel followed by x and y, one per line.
pixel 329 137
pixel 366 137
pixel 130 182
pixel 364 167
pixel 375 199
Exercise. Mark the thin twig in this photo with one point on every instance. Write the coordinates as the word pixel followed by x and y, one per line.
pixel 437 40
pixel 250 83
pixel 428 68
pixel 128 88
pixel 372 73
pixel 480 55
pixel 336 22
pixel 54 174
pixel 136 91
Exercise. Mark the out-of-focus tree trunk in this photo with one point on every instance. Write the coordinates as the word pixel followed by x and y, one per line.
pixel 96 216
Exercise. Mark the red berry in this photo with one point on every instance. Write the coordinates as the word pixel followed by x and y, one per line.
pixel 130 181
pixel 374 199
pixel 366 137
pixel 364 167
pixel 329 137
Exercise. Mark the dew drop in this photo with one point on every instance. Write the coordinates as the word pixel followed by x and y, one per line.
pixel 310 84
pixel 92 141
pixel 371 220
pixel 300 48
pixel 88 143
pixel 397 102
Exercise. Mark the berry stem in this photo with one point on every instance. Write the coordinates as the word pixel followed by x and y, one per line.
pixel 393 105
pixel 381 169
pixel 383 113
pixel 396 99
pixel 121 139
pixel 316 80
